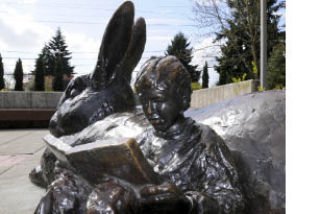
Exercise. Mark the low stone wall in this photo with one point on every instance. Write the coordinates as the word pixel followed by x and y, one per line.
pixel 29 100
pixel 49 100
pixel 205 97
pixel 27 109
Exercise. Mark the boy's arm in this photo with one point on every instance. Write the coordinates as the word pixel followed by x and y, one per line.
pixel 213 189
pixel 218 189
pixel 224 202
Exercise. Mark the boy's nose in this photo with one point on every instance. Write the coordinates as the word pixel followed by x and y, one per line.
pixel 149 111
pixel 152 107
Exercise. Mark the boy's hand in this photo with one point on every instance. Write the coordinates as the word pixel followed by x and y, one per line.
pixel 112 196
pixel 165 198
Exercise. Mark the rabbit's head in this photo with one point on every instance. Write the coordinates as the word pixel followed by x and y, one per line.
pixel 89 98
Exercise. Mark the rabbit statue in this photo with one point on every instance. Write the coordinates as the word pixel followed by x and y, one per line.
pixel 92 97
pixel 107 90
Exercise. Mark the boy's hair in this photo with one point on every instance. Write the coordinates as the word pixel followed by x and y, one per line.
pixel 163 72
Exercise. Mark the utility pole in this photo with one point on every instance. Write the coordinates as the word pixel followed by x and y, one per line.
pixel 263 43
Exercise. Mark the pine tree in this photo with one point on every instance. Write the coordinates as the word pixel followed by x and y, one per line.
pixel 239 27
pixel 58 73
pixel 205 76
pixel 58 49
pixel 235 58
pixel 42 67
pixel 276 75
pixel 179 48
pixel 18 76
pixel 48 60
pixel 2 84
pixel 39 75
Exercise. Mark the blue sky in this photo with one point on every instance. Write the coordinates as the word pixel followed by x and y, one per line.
pixel 27 24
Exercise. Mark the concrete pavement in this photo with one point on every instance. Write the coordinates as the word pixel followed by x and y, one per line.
pixel 20 152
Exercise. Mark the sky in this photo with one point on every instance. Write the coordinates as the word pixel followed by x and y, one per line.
pixel 26 25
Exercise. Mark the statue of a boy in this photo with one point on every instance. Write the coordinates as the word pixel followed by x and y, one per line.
pixel 189 155
pixel 195 168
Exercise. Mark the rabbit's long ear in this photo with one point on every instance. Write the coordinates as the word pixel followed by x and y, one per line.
pixel 135 50
pixel 114 44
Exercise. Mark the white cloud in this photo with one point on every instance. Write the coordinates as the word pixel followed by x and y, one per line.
pixel 85 56
pixel 24 28
pixel 26 1
pixel 206 51
pixel 160 38
pixel 209 2
pixel 22 25
pixel 30 1
pixel 22 33
pixel 20 37
pixel 165 21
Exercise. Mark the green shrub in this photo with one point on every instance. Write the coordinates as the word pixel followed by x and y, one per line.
pixel 195 86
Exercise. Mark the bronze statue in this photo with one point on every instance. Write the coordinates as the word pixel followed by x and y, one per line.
pixel 107 90
pixel 195 168
pixel 195 171
pixel 189 155
pixel 92 97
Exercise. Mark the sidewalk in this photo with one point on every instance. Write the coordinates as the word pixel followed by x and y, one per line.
pixel 20 151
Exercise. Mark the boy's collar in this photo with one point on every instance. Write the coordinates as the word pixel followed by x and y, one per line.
pixel 184 128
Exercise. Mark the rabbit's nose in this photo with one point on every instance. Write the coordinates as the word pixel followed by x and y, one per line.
pixel 55 129
pixel 52 124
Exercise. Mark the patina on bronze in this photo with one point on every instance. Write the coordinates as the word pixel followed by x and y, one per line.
pixel 188 155
pixel 107 90
pixel 252 126
pixel 92 97
pixel 192 162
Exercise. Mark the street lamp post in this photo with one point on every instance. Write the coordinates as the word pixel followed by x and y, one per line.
pixel 263 43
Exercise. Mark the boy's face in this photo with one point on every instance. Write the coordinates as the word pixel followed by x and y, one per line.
pixel 161 107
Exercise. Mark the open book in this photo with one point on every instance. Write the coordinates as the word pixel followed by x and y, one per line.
pixel 121 158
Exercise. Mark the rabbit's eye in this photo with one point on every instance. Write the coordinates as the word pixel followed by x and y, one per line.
pixel 74 92
pixel 68 91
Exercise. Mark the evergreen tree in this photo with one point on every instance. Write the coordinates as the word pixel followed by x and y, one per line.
pixel 18 76
pixel 48 60
pixel 42 68
pixel 239 27
pixel 39 74
pixel 205 76
pixel 235 58
pixel 2 84
pixel 58 75
pixel 276 75
pixel 179 48
pixel 57 48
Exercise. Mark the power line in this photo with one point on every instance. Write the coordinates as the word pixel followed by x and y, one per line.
pixel 22 58
pixel 95 52
pixel 33 58
pixel 86 7
pixel 28 52
pixel 94 23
